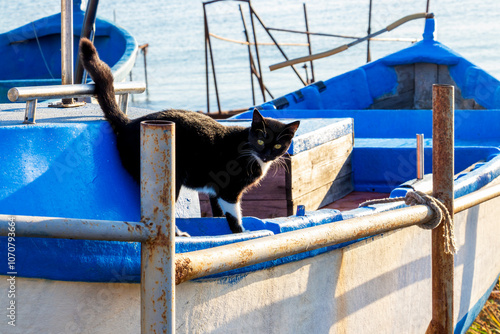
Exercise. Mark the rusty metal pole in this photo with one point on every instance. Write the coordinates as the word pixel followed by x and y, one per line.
pixel 67 42
pixel 207 41
pixel 67 45
pixel 158 213
pixel 207 82
pixel 252 11
pixel 368 54
pixel 309 43
pixel 260 77
pixel 420 157
pixel 442 171
pixel 250 58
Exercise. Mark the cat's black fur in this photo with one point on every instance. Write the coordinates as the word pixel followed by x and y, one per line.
pixel 223 161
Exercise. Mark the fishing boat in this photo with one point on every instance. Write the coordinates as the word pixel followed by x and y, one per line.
pixel 33 51
pixel 365 282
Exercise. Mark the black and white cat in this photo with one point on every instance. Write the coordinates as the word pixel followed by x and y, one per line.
pixel 222 161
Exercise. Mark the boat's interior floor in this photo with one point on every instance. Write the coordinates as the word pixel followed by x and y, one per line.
pixel 352 200
pixel 348 202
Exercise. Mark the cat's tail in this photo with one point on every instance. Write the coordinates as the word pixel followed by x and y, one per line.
pixel 101 74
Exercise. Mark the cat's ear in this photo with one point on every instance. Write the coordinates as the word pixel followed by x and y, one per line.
pixel 292 127
pixel 258 120
pixel 289 130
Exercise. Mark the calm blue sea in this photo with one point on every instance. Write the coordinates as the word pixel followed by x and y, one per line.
pixel 176 56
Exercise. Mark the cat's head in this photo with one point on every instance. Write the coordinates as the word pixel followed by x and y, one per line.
pixel 270 138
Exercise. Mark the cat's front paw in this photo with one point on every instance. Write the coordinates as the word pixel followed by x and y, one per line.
pixel 234 223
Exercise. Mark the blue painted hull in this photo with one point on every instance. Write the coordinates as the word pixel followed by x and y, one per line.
pixel 69 184
pixel 74 171
pixel 22 50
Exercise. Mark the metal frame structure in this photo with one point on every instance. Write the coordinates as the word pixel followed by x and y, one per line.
pixel 255 69
pixel 161 268
pixel 31 95
pixel 255 65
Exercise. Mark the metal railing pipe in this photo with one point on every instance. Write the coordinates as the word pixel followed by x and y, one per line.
pixel 223 258
pixel 69 228
pixel 158 213
pixel 442 187
pixel 215 260
pixel 22 94
pixel 475 198
pixel 67 42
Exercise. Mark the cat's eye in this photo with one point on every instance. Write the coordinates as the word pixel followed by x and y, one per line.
pixel 260 142
pixel 277 146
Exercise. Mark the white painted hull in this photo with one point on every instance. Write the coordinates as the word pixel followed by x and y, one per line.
pixel 379 285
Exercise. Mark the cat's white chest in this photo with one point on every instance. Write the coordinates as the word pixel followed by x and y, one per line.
pixel 264 166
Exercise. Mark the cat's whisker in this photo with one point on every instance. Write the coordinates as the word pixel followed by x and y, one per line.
pixel 251 162
pixel 276 167
pixel 282 163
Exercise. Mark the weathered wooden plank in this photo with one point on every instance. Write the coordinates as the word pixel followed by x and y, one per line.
pixel 264 200
pixel 352 200
pixel 444 76
pixel 256 208
pixel 414 89
pixel 320 165
pixel 406 78
pixel 323 195
pixel 398 101
pixel 426 75
pixel 205 209
pixel 264 209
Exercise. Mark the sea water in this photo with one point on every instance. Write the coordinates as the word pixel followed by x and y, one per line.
pixel 174 30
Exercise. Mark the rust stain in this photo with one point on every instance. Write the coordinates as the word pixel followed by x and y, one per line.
pixel 129 227
pixel 162 298
pixel 161 239
pixel 164 196
pixel 183 269
pixel 246 255
pixel 164 315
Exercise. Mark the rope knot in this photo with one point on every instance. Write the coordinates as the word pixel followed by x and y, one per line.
pixel 440 213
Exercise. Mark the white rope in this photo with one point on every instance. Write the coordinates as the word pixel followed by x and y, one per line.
pixel 251 43
pixel 440 213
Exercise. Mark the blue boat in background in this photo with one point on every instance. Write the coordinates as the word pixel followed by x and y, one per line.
pixel 33 51
pixel 357 135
